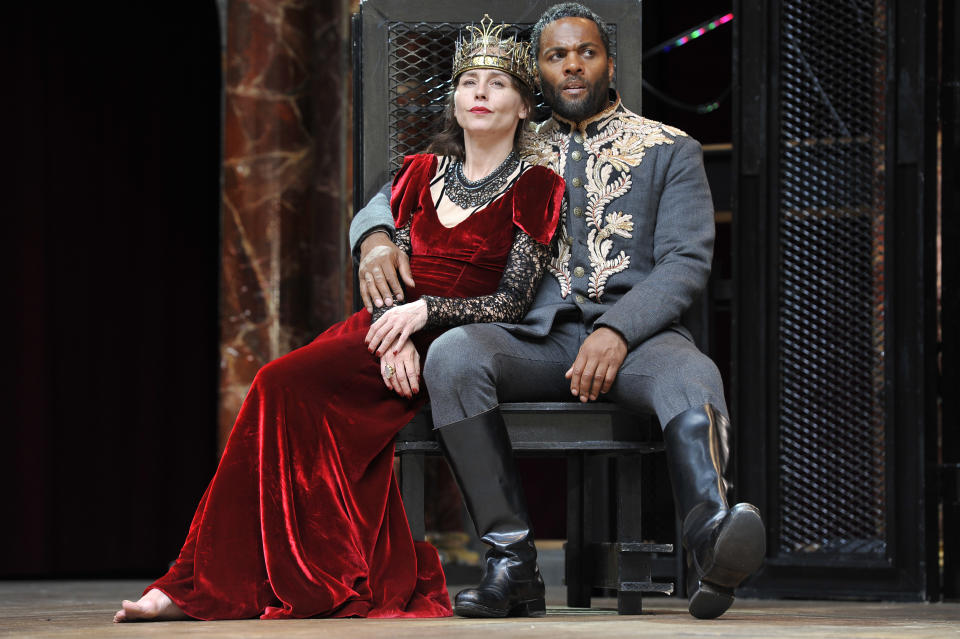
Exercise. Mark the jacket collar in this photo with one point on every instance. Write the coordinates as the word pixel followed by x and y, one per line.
pixel 582 126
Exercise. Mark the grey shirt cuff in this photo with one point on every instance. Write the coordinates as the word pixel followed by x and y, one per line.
pixel 375 216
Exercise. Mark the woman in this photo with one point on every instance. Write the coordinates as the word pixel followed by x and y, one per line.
pixel 303 516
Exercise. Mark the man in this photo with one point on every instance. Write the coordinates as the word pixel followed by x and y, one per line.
pixel 633 252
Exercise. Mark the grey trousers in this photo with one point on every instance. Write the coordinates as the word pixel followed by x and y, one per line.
pixel 473 368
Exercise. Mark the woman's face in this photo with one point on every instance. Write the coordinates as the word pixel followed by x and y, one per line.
pixel 485 103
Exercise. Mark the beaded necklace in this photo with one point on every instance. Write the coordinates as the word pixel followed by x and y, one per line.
pixel 468 194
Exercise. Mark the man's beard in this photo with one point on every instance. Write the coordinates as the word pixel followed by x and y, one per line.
pixel 593 102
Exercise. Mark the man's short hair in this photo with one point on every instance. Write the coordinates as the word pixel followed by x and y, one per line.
pixel 567 10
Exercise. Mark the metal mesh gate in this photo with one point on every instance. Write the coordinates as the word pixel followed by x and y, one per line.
pixel 420 59
pixel 831 285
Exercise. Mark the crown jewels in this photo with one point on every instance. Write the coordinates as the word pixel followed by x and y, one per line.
pixel 488 49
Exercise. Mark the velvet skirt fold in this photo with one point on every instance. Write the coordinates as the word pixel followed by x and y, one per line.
pixel 303 517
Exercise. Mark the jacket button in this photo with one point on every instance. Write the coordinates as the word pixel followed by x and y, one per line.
pixel 580 299
pixel 576 155
pixel 578 211
pixel 568 240
pixel 578 271
pixel 577 182
pixel 578 138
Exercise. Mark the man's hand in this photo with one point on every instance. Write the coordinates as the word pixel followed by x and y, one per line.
pixel 380 262
pixel 597 364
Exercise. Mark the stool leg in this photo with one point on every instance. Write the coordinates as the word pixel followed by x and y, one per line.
pixel 629 603
pixel 631 567
pixel 411 490
pixel 578 585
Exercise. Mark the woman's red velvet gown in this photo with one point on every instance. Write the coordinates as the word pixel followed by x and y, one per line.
pixel 303 516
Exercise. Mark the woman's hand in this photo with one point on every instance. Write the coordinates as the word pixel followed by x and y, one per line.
pixel 395 326
pixel 401 370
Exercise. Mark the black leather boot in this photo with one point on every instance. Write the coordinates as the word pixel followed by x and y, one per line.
pixel 479 453
pixel 724 545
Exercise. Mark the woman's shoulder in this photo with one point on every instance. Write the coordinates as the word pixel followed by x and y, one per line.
pixel 538 194
pixel 409 183
pixel 415 167
pixel 538 173
pixel 419 159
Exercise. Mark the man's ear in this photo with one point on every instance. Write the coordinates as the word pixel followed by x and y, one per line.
pixel 610 68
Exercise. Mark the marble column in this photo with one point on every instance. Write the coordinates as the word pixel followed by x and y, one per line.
pixel 285 265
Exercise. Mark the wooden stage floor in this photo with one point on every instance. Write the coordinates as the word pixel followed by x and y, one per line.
pixel 85 609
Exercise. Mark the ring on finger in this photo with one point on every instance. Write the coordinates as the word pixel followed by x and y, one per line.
pixel 388 371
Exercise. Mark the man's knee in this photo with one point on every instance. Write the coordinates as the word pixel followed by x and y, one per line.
pixel 695 381
pixel 694 366
pixel 454 358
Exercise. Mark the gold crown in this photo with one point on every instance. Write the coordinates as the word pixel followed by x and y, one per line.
pixel 488 49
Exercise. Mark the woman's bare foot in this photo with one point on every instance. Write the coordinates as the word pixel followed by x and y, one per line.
pixel 153 606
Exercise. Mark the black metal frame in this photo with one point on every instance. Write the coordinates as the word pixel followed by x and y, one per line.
pixel 950 295
pixel 907 570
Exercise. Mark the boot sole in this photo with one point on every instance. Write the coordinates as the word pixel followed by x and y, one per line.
pixel 738 553
pixel 532 608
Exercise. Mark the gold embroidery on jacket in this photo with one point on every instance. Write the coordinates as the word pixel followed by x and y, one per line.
pixel 619 144
pixel 547 145
pixel 559 266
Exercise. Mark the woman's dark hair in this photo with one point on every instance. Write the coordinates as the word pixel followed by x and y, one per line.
pixel 449 141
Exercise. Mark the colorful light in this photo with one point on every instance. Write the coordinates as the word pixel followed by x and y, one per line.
pixel 692 35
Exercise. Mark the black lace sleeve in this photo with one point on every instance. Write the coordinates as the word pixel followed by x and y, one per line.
pixel 509 303
pixel 402 239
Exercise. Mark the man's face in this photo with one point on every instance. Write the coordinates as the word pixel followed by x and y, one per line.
pixel 575 71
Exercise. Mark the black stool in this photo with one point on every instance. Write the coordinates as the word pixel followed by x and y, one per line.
pixel 595 438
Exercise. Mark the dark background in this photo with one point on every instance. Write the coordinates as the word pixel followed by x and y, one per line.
pixel 114 239
pixel 110 434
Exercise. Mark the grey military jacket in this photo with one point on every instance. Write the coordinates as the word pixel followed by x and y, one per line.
pixel 636 235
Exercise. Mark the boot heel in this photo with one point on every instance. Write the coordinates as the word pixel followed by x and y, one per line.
pixel 710 601
pixel 533 608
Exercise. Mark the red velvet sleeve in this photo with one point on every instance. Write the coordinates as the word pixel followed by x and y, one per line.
pixel 538 196
pixel 408 185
